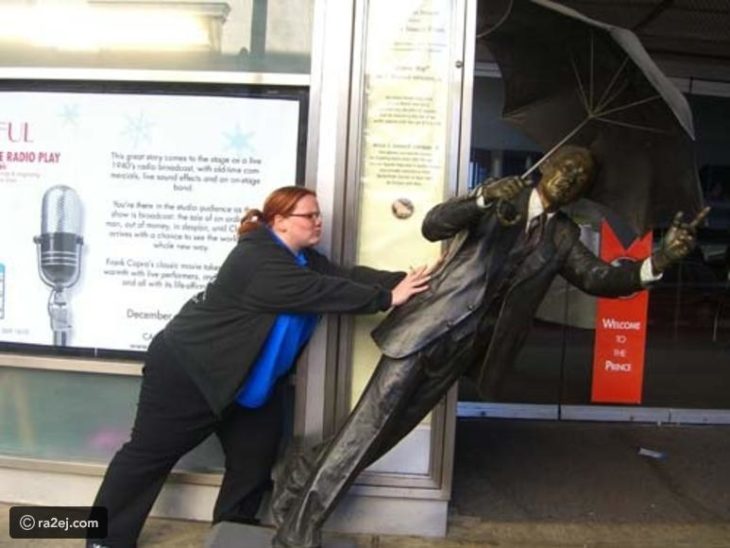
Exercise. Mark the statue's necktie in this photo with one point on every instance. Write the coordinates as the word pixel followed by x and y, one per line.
pixel 535 230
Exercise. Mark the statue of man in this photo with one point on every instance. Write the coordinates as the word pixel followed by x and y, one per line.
pixel 473 320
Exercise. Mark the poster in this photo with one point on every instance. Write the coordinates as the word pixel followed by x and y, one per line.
pixel 115 208
pixel 620 347
pixel 405 154
pixel 406 129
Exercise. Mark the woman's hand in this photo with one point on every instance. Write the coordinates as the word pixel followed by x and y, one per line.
pixel 416 281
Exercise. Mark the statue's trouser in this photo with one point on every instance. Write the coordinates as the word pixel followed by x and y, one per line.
pixel 398 396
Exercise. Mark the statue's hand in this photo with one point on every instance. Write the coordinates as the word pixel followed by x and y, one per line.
pixel 679 240
pixel 506 188
pixel 503 191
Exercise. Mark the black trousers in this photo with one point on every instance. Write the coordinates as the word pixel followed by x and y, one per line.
pixel 399 395
pixel 172 418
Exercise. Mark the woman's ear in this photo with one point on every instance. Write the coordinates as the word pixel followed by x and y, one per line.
pixel 279 223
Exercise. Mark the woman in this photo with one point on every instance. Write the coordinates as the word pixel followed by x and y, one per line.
pixel 218 366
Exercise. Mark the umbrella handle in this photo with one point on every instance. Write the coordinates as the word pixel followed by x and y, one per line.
pixel 507 213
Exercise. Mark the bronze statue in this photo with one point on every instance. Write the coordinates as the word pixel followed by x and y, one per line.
pixel 473 320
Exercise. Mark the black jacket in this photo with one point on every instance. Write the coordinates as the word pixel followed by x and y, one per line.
pixel 217 335
pixel 480 268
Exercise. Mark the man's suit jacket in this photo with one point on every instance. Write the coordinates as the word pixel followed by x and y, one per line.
pixel 482 264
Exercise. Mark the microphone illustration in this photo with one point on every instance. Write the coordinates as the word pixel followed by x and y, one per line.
pixel 59 254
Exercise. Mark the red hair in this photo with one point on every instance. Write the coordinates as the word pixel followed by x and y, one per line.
pixel 282 201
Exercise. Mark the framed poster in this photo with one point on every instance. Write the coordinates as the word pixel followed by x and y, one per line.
pixel 118 201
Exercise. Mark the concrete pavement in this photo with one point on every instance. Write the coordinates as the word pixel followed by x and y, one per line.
pixel 539 484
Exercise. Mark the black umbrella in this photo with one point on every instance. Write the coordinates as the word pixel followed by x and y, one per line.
pixel 571 79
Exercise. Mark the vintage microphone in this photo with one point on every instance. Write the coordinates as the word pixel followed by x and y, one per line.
pixel 59 253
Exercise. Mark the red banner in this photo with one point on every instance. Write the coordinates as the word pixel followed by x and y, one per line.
pixel 618 355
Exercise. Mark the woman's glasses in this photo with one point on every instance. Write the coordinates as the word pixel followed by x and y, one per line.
pixel 313 216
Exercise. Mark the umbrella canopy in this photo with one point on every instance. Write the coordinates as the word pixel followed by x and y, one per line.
pixel 571 79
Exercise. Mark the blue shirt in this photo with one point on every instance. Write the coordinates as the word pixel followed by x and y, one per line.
pixel 288 335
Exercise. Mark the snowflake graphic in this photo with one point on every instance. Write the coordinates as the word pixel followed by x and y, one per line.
pixel 138 129
pixel 69 115
pixel 239 141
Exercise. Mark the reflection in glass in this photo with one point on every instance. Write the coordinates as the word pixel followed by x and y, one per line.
pixel 77 417
pixel 238 35
pixel 688 335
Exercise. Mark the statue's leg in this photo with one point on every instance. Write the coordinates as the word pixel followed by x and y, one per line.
pixel 290 475
pixel 442 365
pixel 386 395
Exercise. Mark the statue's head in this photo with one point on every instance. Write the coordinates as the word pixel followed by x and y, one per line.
pixel 566 176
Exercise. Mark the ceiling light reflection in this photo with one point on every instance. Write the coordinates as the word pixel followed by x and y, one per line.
pixel 100 28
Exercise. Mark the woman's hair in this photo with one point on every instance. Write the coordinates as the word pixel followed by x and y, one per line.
pixel 282 201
